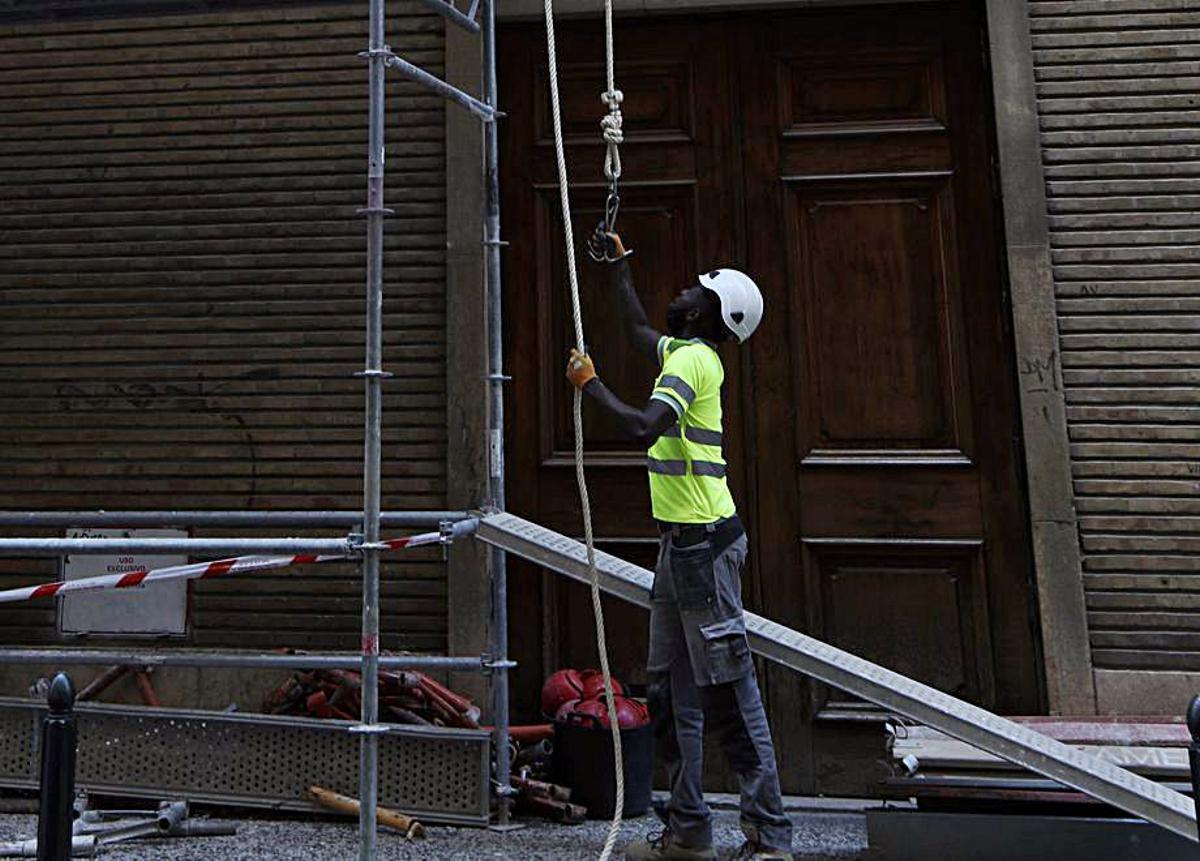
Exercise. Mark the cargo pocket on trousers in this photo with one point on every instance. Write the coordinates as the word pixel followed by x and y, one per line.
pixel 692 575
pixel 727 650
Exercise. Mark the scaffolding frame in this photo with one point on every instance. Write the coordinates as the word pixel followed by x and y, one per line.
pixel 363 541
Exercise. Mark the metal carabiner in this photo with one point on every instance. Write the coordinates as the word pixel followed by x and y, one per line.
pixel 612 206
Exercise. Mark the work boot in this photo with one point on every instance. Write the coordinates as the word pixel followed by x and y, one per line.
pixel 665 846
pixel 751 851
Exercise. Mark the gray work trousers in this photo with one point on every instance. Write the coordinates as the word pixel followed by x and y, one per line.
pixel 700 670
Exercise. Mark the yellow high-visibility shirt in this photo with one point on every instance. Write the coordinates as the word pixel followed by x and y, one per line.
pixel 686 465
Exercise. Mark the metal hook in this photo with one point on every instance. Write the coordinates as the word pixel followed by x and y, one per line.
pixel 612 207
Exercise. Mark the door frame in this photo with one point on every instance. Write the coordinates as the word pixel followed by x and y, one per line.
pixel 1066 655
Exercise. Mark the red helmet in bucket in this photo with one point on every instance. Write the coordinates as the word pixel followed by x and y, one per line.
pixel 593 684
pixel 631 713
pixel 559 688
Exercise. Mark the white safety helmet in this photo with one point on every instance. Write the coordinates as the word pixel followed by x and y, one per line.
pixel 741 301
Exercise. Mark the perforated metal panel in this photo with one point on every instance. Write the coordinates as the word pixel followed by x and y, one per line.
pixel 438 775
pixel 17 744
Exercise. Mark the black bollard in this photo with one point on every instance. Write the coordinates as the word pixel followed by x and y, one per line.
pixel 1193 724
pixel 58 772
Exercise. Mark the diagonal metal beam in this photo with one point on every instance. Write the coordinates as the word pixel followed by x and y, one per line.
pixel 451 13
pixel 448 91
pixel 831 665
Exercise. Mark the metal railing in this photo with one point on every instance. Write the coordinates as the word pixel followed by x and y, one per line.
pixel 364 539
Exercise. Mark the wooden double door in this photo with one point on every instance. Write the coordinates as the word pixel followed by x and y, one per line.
pixel 844 160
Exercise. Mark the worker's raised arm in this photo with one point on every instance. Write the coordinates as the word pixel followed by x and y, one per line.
pixel 643 426
pixel 638 331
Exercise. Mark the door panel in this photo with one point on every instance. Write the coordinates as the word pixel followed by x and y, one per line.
pixel 874 274
pixel 901 586
pixel 842 158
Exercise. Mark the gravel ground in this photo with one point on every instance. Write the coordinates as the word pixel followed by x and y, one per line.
pixel 820 836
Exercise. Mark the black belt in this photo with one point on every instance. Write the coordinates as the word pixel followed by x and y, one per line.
pixel 721 534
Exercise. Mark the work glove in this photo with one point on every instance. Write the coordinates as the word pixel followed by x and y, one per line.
pixel 580 370
pixel 605 246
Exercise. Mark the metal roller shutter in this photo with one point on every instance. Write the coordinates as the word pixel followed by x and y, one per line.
pixel 1117 87
pixel 181 276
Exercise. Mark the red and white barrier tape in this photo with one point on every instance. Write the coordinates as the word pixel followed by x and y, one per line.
pixel 193 571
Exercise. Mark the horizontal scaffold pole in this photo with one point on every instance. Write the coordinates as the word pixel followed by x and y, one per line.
pixel 192 546
pixel 234 660
pixel 308 547
pixel 451 13
pixel 448 91
pixel 137 578
pixel 247 519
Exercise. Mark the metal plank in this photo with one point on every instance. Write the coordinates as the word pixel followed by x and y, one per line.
pixel 831 665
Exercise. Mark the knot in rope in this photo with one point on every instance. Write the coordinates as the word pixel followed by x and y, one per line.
pixel 610 128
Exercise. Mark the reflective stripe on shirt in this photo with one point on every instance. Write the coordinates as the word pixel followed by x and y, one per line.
pixel 666 467
pixel 679 387
pixel 700 436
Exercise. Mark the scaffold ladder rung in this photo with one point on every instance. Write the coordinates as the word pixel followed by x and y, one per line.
pixel 992 733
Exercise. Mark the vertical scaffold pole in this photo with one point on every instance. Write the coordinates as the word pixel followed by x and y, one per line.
pixel 373 375
pixel 498 627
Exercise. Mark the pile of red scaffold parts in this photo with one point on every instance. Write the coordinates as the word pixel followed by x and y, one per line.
pixel 404 697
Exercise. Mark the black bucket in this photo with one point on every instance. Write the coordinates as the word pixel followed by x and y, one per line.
pixel 583 760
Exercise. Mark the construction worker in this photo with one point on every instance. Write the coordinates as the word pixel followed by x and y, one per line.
pixel 699 663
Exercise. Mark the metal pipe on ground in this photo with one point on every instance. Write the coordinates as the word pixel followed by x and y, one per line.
pixel 170 816
pixel 83 846
pixel 406 825
pixel 202 828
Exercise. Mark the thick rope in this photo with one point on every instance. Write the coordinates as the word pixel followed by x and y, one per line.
pixel 610 125
pixel 614 829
